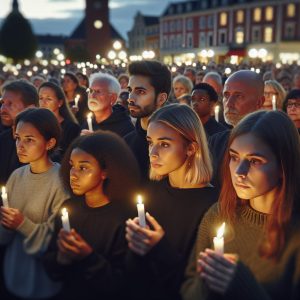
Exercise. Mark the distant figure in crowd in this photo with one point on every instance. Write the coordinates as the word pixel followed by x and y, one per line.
pixel 191 74
pixel 182 87
pixel 83 79
pixel 35 193
pixel 103 94
pixel 291 106
pixel 204 99
pixel 52 97
pixel 259 203
pixel 214 79
pixel 273 89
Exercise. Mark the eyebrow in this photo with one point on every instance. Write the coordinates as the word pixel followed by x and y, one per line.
pixel 249 154
pixel 81 161
pixel 161 138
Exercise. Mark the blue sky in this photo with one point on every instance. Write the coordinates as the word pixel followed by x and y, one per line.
pixel 62 16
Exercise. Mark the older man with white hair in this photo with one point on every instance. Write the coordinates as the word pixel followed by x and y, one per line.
pixel 103 94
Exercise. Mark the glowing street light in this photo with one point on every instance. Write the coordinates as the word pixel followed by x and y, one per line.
pixel 253 53
pixel 112 55
pixel 56 51
pixel 117 45
pixel 262 53
pixel 122 55
pixel 39 54
pixel 98 24
pixel 210 53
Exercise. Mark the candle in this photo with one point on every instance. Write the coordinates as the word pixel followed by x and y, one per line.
pixel 217 110
pixel 65 220
pixel 274 102
pixel 77 100
pixel 219 240
pixel 141 211
pixel 89 121
pixel 4 197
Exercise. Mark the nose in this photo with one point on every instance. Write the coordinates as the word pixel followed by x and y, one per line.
pixel 229 102
pixel 242 169
pixel 131 99
pixel 19 144
pixel 73 173
pixel 153 153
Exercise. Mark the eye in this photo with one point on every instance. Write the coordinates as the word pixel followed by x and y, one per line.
pixel 255 161
pixel 29 140
pixel 149 143
pixel 83 168
pixel 164 145
pixel 141 92
pixel 233 157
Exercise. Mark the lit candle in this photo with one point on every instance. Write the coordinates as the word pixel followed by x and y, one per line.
pixel 65 220
pixel 274 102
pixel 217 110
pixel 141 211
pixel 4 197
pixel 76 100
pixel 219 240
pixel 89 121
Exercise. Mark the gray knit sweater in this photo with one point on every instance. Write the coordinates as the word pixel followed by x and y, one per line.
pixel 255 278
pixel 38 197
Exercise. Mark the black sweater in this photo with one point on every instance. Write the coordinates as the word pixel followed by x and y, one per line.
pixel 138 144
pixel 178 211
pixel 8 155
pixel 212 126
pixel 118 122
pixel 101 274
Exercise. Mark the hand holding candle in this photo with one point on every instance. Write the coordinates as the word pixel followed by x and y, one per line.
pixel 274 102
pixel 141 211
pixel 217 110
pixel 219 240
pixel 65 220
pixel 76 100
pixel 4 197
pixel 89 121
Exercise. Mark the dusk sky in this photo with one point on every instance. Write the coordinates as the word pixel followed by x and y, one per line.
pixel 62 16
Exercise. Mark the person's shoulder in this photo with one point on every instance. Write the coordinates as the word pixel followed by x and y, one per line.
pixel 129 137
pixel 6 134
pixel 220 135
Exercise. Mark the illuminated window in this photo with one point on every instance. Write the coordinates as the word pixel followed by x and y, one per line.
pixel 239 36
pixel 223 19
pixel 291 10
pixel 240 16
pixel 257 14
pixel 269 13
pixel 268 35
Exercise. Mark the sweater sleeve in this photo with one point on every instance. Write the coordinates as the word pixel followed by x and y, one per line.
pixel 193 287
pixel 38 235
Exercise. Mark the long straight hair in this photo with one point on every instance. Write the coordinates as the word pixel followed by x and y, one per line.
pixel 277 131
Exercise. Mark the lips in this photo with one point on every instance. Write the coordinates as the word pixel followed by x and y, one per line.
pixel 155 165
pixel 243 186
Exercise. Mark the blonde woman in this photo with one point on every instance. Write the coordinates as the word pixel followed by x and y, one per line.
pixel 182 88
pixel 273 89
pixel 176 200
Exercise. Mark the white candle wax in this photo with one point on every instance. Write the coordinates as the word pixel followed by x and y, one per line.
pixel 141 211
pixel 4 197
pixel 217 110
pixel 76 100
pixel 219 240
pixel 89 121
pixel 65 220
pixel 274 102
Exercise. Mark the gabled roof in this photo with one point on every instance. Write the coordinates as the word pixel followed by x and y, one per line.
pixel 151 20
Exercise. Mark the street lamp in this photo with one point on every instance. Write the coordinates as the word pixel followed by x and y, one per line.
pixel 111 55
pixel 253 53
pixel 117 45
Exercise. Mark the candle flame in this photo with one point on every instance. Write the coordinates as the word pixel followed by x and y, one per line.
pixel 217 109
pixel 3 190
pixel 77 96
pixel 139 199
pixel 89 115
pixel 221 230
pixel 64 211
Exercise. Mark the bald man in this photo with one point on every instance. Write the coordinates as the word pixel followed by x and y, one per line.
pixel 243 93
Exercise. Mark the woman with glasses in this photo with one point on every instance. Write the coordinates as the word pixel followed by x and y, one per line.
pixel 273 89
pixel 291 106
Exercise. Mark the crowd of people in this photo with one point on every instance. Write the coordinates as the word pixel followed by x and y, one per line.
pixel 89 144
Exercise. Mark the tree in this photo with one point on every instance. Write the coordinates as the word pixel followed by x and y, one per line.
pixel 17 40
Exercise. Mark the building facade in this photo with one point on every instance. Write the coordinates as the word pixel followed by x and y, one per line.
pixel 226 30
pixel 144 35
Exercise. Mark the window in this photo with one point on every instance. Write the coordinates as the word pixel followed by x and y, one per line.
pixel 179 25
pixel 179 8
pixel 256 34
pixel 239 36
pixel 210 21
pixel 291 10
pixel 189 24
pixel 215 3
pixel 269 13
pixel 289 31
pixel 190 40
pixel 222 38
pixel 210 39
pixel 172 26
pixel 223 19
pixel 257 14
pixel 202 40
pixel 202 22
pixel 166 27
pixel 240 16
pixel 179 41
pixel 268 35
pixel 204 4
pixel 189 6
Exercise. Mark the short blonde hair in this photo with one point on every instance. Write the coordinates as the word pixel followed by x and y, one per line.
pixel 185 81
pixel 186 122
pixel 279 89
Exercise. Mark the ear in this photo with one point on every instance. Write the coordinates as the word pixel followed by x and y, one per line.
pixel 51 144
pixel 60 103
pixel 113 99
pixel 161 99
pixel 192 149
pixel 103 175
